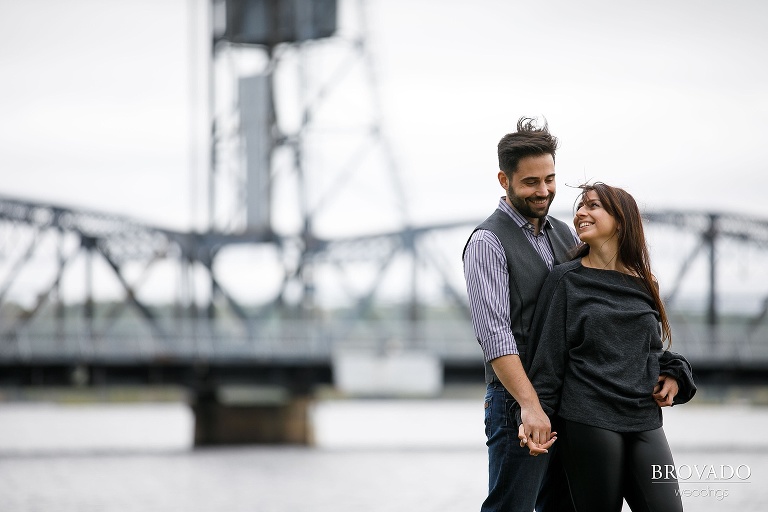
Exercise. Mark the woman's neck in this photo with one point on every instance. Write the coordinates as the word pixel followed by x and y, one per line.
pixel 603 258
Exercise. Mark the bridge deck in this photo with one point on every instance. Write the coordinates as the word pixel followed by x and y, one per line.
pixel 305 351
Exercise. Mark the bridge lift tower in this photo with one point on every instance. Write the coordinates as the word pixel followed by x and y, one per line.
pixel 298 154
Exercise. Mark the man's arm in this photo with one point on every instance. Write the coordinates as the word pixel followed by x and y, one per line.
pixel 487 279
pixel 509 369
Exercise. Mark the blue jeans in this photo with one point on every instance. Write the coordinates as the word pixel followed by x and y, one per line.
pixel 517 481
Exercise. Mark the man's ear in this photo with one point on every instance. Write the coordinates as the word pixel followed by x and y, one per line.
pixel 503 180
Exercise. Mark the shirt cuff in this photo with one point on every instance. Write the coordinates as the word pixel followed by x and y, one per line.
pixel 497 346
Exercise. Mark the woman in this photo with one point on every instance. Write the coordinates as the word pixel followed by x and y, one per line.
pixel 600 325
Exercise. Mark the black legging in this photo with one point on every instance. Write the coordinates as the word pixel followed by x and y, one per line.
pixel 605 466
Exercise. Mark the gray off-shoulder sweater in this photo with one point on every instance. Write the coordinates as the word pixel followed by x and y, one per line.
pixel 599 351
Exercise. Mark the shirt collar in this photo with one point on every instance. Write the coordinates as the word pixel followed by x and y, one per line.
pixel 518 217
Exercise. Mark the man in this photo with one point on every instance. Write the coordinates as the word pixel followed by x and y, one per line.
pixel 506 260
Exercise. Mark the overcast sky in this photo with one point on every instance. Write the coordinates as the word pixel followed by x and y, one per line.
pixel 665 98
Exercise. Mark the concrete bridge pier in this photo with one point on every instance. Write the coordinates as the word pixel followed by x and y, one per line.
pixel 251 415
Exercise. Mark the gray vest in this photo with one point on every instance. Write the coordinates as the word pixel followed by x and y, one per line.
pixel 527 272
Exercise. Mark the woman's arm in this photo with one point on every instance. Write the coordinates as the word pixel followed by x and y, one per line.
pixel 674 365
pixel 549 345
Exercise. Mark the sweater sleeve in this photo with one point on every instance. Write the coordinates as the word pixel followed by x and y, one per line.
pixel 549 333
pixel 677 366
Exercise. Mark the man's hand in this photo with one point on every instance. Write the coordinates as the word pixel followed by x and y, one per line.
pixel 533 448
pixel 665 390
pixel 536 430
pixel 536 423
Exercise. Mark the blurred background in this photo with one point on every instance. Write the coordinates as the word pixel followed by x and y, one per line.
pixel 231 234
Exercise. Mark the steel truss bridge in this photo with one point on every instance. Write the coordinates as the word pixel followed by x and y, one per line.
pixel 96 297
pixel 51 334
pixel 254 298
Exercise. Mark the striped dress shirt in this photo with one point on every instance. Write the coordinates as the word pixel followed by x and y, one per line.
pixel 487 278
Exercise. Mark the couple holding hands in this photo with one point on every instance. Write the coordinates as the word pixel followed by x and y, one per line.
pixel 576 344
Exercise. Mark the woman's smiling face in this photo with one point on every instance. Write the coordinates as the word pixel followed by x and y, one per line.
pixel 594 225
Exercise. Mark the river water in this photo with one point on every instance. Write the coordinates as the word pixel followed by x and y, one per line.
pixel 370 455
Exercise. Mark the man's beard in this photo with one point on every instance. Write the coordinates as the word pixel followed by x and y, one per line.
pixel 521 205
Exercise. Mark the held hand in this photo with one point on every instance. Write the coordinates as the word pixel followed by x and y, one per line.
pixel 535 425
pixel 533 448
pixel 665 390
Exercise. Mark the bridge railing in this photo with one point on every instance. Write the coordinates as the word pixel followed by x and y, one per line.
pixel 452 340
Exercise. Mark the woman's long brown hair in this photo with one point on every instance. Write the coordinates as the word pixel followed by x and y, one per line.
pixel 633 251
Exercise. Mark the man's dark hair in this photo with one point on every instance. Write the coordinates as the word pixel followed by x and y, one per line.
pixel 528 140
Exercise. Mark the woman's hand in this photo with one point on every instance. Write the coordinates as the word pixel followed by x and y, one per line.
pixel 665 390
